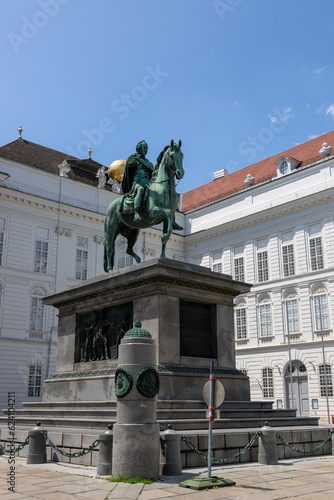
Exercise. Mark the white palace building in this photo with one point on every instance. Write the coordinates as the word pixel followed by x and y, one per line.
pixel 270 224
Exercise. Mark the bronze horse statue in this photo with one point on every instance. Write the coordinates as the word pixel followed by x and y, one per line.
pixel 159 205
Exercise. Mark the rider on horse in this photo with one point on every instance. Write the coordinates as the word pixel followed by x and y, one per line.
pixel 137 175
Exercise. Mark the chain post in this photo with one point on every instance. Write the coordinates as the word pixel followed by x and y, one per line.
pixel 37 446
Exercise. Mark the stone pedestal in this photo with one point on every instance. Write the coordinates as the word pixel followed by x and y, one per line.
pixel 188 310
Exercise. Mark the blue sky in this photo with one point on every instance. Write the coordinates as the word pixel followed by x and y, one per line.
pixel 236 80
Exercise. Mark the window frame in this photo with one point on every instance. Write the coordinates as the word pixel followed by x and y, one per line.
pixel 81 258
pixel 291 319
pixel 288 263
pixel 314 265
pixel 268 382
pixel 239 274
pixel 241 331
pixel 321 321
pixel 39 260
pixel 261 306
pixel 35 381
pixel 217 267
pixel 323 377
pixel 262 266
pixel 36 320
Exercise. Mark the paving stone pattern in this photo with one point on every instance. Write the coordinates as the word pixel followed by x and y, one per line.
pixel 306 478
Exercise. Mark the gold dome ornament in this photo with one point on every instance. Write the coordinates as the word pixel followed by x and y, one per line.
pixel 116 170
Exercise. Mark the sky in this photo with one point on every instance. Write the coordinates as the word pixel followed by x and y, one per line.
pixel 236 80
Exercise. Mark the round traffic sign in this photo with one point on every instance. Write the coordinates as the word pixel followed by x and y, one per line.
pixel 218 393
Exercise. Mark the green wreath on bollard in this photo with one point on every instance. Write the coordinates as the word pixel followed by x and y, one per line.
pixel 148 382
pixel 123 382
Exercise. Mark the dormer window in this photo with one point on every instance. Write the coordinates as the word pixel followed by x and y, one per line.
pixel 286 165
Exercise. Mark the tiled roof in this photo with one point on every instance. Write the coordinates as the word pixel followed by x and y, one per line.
pixel 47 159
pixel 305 153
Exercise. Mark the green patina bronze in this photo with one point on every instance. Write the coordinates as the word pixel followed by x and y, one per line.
pixel 138 331
pixel 148 382
pixel 123 382
pixel 149 198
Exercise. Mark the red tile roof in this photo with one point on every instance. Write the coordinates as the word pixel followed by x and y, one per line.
pixel 307 152
pixel 47 159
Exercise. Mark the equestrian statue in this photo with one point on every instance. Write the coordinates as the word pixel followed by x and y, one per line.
pixel 149 198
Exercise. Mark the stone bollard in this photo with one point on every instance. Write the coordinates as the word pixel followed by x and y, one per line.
pixel 104 465
pixel 170 456
pixel 332 443
pixel 37 446
pixel 136 442
pixel 267 446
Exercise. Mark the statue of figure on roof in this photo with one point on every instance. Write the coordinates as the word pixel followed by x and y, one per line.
pixel 137 175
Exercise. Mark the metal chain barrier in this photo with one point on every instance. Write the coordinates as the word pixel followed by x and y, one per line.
pixel 216 461
pixel 305 452
pixel 19 448
pixel 70 455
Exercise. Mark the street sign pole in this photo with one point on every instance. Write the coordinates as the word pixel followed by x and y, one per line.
pixel 211 416
pixel 213 394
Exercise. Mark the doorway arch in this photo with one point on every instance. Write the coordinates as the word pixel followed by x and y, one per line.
pixel 297 393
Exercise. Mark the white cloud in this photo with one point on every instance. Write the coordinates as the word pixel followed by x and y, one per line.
pixel 318 71
pixel 330 110
pixel 281 117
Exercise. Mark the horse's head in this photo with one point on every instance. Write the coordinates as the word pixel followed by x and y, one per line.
pixel 175 157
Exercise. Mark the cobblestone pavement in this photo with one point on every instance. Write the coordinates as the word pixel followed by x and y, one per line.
pixel 303 478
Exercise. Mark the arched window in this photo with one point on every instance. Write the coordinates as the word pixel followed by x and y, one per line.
pixel 122 258
pixel 35 381
pixel 320 307
pixel 37 309
pixel 264 315
pixel 291 306
pixel 241 319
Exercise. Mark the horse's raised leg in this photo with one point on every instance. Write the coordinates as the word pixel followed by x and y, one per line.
pixel 167 230
pixel 132 238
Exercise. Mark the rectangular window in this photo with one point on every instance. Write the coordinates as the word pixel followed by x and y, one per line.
pixel 36 314
pixel 262 266
pixel 35 381
pixel 265 320
pixel 41 256
pixel 268 383
pixel 81 265
pixel 1 248
pixel 288 260
pixel 292 316
pixel 241 323
pixel 316 253
pixel 217 267
pixel 325 378
pixel 239 274
pixel 321 312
